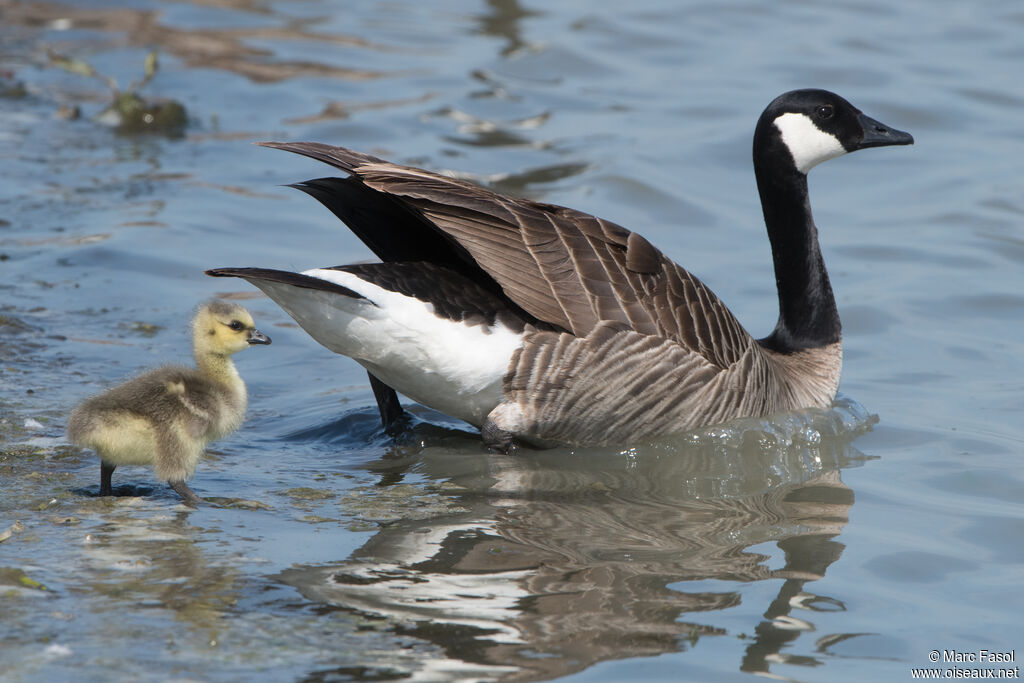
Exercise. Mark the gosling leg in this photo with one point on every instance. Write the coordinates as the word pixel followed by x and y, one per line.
pixel 106 469
pixel 188 496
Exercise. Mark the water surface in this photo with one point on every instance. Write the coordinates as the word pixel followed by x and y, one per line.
pixel 843 545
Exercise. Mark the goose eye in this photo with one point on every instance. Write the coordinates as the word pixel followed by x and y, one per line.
pixel 825 111
pixel 236 326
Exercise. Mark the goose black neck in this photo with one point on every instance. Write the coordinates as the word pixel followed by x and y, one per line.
pixel 808 317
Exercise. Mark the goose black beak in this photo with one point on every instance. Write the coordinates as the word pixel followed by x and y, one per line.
pixel 257 337
pixel 877 134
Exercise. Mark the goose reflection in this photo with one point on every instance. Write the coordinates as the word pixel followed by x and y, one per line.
pixel 562 560
pixel 503 19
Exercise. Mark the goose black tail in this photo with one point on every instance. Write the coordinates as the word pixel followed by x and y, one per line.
pixel 285 277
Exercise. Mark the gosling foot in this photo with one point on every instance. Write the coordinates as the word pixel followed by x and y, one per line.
pixel 188 496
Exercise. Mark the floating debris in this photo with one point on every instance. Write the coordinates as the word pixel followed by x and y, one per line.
pixel 401 501
pixel 307 493
pixel 10 87
pixel 55 650
pixel 15 528
pixel 12 576
pixel 140 327
pixel 240 503
pixel 65 521
pixel 317 519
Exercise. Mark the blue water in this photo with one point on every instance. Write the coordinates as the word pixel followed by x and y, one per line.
pixel 836 546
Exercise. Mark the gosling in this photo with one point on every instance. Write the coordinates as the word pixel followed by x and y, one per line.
pixel 167 416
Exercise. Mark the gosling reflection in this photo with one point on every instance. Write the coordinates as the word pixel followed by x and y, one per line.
pixel 563 561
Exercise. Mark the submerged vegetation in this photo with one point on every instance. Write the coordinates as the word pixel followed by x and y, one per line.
pixel 128 110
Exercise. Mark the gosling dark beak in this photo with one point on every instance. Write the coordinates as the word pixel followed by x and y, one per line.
pixel 877 134
pixel 257 337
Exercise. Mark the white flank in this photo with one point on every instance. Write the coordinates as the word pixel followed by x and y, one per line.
pixel 454 368
pixel 808 144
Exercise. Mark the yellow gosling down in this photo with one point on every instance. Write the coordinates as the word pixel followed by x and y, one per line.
pixel 167 416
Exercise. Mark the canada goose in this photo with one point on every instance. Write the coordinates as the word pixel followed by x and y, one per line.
pixel 165 417
pixel 544 324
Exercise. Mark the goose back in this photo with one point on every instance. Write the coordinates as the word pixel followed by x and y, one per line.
pixel 559 266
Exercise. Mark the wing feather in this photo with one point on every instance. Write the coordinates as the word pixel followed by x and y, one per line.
pixel 564 267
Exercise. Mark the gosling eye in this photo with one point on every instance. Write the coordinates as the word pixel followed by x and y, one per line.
pixel 825 112
pixel 236 325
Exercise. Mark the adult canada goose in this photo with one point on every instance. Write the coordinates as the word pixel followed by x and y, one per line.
pixel 167 416
pixel 544 324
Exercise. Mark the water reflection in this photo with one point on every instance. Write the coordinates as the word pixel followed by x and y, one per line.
pixel 155 562
pixel 562 560
pixel 503 21
pixel 228 49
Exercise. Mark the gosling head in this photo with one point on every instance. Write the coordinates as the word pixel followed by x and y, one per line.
pixel 224 328
pixel 817 125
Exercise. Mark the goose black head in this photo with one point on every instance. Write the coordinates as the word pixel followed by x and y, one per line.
pixel 817 125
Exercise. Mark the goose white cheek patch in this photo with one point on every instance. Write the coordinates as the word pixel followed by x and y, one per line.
pixel 808 144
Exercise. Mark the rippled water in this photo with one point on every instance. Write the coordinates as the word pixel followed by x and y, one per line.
pixel 840 545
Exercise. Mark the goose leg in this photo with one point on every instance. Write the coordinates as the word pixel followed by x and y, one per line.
pixel 106 469
pixel 188 496
pixel 387 401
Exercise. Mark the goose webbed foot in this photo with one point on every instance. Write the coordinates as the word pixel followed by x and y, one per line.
pixel 188 496
pixel 497 439
pixel 106 469
pixel 403 424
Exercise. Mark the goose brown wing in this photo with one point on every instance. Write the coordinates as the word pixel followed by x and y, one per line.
pixel 561 266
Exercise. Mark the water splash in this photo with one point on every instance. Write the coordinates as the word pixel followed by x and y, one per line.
pixel 845 419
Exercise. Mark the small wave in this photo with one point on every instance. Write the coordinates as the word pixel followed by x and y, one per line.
pixel 845 419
